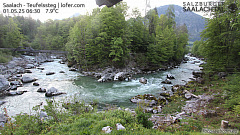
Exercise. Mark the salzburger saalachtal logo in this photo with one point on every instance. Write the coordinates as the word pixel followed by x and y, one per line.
pixel 203 6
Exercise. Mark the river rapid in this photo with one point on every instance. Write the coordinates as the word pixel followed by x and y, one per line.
pixel 88 89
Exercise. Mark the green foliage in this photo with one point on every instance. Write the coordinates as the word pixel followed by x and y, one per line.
pixel 143 118
pixel 197 48
pixel 11 36
pixel 5 56
pixel 192 125
pixel 236 109
pixel 233 92
pixel 221 46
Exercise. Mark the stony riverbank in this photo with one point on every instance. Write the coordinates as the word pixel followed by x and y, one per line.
pixel 120 74
pixel 38 68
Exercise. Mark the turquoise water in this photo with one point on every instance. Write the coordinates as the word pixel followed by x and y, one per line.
pixel 88 89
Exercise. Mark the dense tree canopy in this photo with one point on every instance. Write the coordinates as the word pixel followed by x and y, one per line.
pixel 221 43
pixel 103 37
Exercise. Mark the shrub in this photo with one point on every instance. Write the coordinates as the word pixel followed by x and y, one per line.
pixel 143 118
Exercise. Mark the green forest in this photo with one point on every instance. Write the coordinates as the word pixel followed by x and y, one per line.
pixel 220 43
pixel 102 38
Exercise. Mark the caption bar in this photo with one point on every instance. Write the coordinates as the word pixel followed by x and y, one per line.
pixel 18 8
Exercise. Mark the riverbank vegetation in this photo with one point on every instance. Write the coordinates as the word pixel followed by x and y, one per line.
pixel 5 56
pixel 73 116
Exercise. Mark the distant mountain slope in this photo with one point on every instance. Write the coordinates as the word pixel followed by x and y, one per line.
pixel 195 23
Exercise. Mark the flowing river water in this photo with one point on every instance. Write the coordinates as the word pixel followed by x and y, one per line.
pixel 88 89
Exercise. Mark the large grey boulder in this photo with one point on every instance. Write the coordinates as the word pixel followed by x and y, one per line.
pixel 106 77
pixel 14 93
pixel 120 76
pixel 28 79
pixel 4 84
pixel 53 92
pixel 29 66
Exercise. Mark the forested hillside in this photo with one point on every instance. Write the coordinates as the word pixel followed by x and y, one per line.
pixel 194 22
pixel 104 37
pixel 220 43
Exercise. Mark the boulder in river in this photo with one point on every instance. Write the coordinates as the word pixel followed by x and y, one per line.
pixel 61 72
pixel 167 81
pixel 143 80
pixel 41 90
pixel 106 77
pixel 14 93
pixel 29 66
pixel 40 68
pixel 13 87
pixel 4 84
pixel 17 83
pixel 120 76
pixel 35 84
pixel 170 76
pixel 53 92
pixel 2 102
pixel 164 89
pixel 27 71
pixel 28 79
pixel 50 73
pixel 72 69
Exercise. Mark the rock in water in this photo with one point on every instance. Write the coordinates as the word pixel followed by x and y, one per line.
pixel 53 92
pixel 40 68
pixel 4 84
pixel 35 84
pixel 164 88
pixel 143 80
pixel 120 76
pixel 169 76
pixel 27 79
pixel 72 69
pixel 29 66
pixel 41 90
pixel 2 102
pixel 50 73
pixel 15 93
pixel 167 81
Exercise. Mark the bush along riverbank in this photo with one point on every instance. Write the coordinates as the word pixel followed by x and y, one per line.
pixel 211 104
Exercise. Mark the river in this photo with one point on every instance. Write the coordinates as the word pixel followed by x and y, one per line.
pixel 88 89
